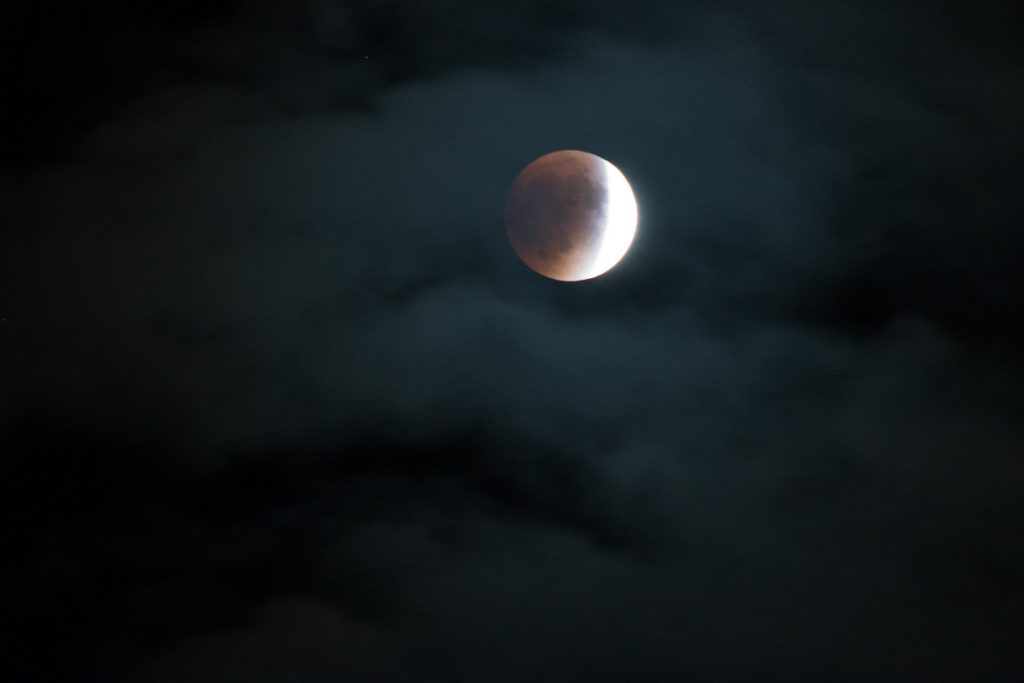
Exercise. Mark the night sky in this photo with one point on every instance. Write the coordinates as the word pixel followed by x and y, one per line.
pixel 279 404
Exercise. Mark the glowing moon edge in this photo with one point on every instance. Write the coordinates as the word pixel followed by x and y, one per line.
pixel 620 221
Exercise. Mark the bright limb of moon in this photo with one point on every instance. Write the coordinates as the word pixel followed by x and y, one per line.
pixel 619 227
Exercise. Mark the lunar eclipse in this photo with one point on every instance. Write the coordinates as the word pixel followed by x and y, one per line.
pixel 571 215
pixel 439 341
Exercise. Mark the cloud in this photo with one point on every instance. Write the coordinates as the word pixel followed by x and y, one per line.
pixel 290 638
pixel 781 437
pixel 223 242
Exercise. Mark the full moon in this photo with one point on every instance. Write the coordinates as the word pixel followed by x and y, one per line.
pixel 570 215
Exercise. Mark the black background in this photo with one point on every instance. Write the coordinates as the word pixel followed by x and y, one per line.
pixel 278 403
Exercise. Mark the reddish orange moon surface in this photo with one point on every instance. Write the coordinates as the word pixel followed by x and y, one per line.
pixel 570 215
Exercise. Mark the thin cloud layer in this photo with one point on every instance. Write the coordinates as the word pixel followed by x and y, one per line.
pixel 270 317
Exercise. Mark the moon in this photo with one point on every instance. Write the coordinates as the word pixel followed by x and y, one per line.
pixel 571 215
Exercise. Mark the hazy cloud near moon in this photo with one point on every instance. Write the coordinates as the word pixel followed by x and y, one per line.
pixel 765 429
pixel 179 207
pixel 202 228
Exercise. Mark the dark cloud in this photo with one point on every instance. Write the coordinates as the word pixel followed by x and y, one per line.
pixel 279 403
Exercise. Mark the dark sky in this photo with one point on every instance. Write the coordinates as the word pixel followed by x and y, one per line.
pixel 278 403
